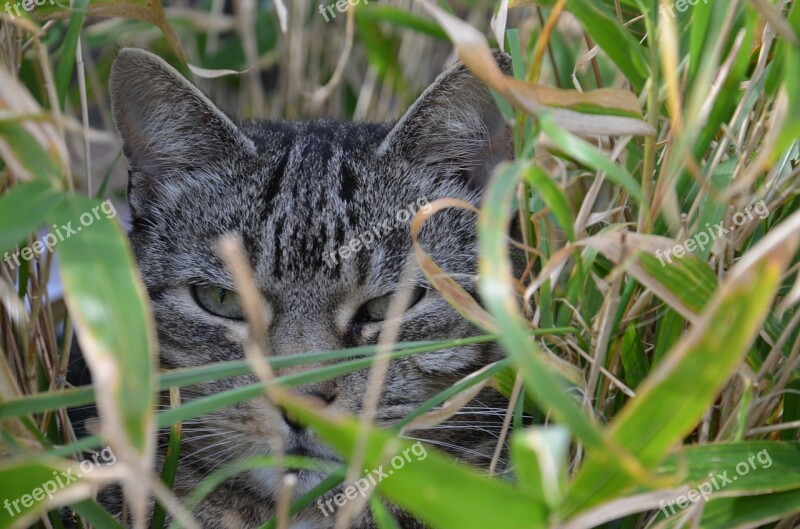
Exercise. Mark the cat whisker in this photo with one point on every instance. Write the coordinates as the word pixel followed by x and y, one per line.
pixel 196 453
pixel 456 448
pixel 476 428
pixel 190 439
pixel 464 424
pixel 218 460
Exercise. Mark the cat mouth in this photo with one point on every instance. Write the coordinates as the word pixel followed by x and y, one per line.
pixel 311 450
pixel 308 477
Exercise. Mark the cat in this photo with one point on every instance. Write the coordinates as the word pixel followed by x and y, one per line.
pixel 297 193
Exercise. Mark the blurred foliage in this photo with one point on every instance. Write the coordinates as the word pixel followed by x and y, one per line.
pixel 662 372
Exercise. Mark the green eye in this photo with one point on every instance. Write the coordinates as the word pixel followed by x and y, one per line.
pixel 376 309
pixel 218 301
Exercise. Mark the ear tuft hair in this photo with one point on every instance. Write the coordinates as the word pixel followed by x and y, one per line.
pixel 456 125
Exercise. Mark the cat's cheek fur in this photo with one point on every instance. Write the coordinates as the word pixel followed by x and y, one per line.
pixel 269 480
pixel 448 361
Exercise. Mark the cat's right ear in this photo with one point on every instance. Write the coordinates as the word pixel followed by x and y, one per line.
pixel 166 124
pixel 455 127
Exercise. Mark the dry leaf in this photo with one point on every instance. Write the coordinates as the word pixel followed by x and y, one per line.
pixel 207 73
pixel 149 10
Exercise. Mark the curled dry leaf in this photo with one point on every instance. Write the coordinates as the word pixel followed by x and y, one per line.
pixel 283 15
pixel 608 101
pixel 149 10
pixel 498 24
pixel 460 299
pixel 452 291
pixel 207 73
pixel 609 112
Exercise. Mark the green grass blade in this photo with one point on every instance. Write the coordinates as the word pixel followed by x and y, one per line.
pixel 25 152
pixel 376 13
pixel 383 518
pixel 551 391
pixel 54 400
pixel 29 486
pixel 634 359
pixel 542 184
pixel 590 156
pixel 760 467
pixel 96 515
pixel 68 50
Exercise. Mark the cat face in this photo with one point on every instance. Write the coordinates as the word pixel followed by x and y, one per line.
pixel 322 209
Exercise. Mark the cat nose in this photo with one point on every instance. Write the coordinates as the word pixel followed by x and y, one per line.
pixel 323 392
pixel 295 426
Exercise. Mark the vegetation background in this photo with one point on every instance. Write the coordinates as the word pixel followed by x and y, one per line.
pixel 639 125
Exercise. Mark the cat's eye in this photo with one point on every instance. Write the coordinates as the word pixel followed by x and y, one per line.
pixel 377 309
pixel 218 301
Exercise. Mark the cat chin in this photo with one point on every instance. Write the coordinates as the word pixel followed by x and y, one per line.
pixel 268 481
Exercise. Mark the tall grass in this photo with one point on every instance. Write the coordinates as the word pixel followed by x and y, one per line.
pixel 663 351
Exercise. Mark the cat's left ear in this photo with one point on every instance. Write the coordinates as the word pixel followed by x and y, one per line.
pixel 455 127
pixel 165 122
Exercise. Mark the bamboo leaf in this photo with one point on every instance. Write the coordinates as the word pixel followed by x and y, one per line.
pixel 675 396
pixel 30 487
pixel 114 328
pixel 427 484
pixel 23 208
